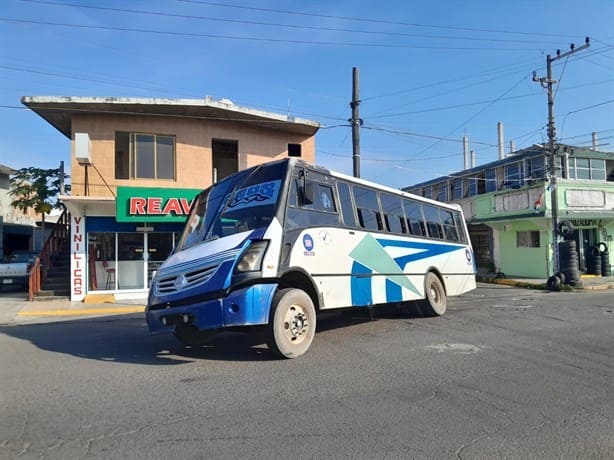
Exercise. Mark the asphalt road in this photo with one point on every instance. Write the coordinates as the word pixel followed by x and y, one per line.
pixel 506 373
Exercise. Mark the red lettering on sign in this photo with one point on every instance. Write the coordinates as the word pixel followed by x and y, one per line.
pixel 172 205
pixel 186 205
pixel 78 281
pixel 77 269
pixel 157 206
pixel 137 205
pixel 154 205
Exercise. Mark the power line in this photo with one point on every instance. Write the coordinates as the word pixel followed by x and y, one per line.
pixel 497 71
pixel 110 81
pixel 254 39
pixel 427 136
pixel 488 101
pixel 587 134
pixel 521 66
pixel 389 160
pixel 582 110
pixel 369 20
pixel 277 25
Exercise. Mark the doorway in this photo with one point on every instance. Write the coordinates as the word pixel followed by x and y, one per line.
pixel 585 239
pixel 481 241
pixel 225 158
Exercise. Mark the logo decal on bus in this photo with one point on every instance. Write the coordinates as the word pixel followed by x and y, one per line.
pixel 255 195
pixel 308 244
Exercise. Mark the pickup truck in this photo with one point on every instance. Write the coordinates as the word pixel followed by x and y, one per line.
pixel 15 269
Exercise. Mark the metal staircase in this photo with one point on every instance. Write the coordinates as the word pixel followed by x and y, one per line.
pixel 50 274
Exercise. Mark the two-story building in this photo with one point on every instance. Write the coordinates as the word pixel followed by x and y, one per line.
pixel 18 229
pixel 508 206
pixel 137 163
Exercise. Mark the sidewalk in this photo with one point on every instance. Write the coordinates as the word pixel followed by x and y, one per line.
pixel 15 311
pixel 588 282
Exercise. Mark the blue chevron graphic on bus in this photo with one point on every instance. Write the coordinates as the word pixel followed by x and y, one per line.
pixel 370 256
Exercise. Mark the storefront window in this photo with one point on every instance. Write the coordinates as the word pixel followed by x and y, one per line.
pixel 119 261
pixel 159 246
pixel 101 261
pixel 130 252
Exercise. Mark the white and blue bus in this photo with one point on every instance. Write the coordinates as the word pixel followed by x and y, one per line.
pixel 272 245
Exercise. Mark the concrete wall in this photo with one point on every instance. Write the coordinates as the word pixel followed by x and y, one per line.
pixel 193 149
pixel 10 214
pixel 524 262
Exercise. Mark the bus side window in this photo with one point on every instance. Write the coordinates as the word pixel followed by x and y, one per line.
pixel 321 212
pixel 449 225
pixel 460 228
pixel 433 222
pixel 346 205
pixel 394 216
pixel 369 216
pixel 325 200
pixel 415 220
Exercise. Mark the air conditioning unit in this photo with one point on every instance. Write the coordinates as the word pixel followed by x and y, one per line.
pixel 83 149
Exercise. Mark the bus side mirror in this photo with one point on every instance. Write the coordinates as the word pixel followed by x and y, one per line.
pixel 307 193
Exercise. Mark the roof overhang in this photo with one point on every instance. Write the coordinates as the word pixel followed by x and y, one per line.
pixel 59 111
pixel 7 170
pixel 81 205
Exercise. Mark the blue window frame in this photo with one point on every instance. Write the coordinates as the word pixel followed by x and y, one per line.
pixel 491 180
pixel 513 176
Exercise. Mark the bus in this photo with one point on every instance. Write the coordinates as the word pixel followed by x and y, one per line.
pixel 269 247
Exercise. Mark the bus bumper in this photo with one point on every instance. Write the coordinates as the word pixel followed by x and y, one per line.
pixel 243 307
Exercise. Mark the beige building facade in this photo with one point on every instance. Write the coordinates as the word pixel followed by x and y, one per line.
pixel 136 164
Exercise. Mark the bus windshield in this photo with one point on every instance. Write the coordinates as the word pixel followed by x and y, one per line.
pixel 244 201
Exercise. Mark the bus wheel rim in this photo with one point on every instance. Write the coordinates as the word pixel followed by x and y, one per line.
pixel 296 323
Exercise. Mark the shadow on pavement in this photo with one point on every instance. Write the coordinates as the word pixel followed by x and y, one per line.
pixel 13 292
pixel 126 339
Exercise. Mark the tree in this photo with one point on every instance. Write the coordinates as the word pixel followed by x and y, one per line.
pixel 37 189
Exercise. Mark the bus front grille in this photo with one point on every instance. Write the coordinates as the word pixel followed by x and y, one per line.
pixel 170 284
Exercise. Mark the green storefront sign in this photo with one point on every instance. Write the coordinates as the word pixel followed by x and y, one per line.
pixel 147 204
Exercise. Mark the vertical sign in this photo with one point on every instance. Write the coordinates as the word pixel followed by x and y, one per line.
pixel 78 246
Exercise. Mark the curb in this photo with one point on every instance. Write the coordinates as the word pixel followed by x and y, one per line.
pixel 511 282
pixel 541 286
pixel 84 311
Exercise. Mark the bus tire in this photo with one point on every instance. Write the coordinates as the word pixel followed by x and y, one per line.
pixel 292 323
pixel 435 302
pixel 189 335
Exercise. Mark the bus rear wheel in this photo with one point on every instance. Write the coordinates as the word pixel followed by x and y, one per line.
pixel 292 323
pixel 435 302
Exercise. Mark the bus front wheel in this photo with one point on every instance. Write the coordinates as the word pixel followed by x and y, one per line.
pixel 435 302
pixel 292 323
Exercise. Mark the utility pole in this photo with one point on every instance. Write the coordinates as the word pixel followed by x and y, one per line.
pixel 548 83
pixel 356 122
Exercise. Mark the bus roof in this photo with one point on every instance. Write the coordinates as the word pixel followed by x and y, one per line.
pixel 367 183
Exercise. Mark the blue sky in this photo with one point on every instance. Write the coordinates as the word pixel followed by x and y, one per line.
pixel 430 71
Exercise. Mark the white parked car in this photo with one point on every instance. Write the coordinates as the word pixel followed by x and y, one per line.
pixel 15 269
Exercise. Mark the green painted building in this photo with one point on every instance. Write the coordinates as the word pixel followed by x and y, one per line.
pixel 508 207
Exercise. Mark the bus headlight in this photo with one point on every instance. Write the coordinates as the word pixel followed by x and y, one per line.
pixel 251 259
